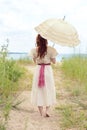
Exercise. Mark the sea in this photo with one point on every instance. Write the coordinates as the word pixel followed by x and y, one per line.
pixel 22 55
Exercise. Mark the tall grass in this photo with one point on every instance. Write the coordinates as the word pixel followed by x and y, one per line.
pixel 72 118
pixel 10 73
pixel 76 69
pixel 26 61
pixel 73 113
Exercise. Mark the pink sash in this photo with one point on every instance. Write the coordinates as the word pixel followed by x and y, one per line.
pixel 41 81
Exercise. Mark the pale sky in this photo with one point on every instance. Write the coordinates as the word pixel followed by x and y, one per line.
pixel 19 17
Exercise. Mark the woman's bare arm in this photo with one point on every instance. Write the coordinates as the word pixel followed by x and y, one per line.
pixel 34 59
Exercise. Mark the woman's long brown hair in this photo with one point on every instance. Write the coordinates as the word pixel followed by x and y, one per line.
pixel 42 46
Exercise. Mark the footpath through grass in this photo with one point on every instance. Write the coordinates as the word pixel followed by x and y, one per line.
pixel 70 77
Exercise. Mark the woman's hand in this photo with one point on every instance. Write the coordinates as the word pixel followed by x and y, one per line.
pixel 53 60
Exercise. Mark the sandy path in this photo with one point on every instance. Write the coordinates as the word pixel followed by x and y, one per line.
pixel 27 117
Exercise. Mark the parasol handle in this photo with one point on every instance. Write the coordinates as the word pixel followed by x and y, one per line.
pixel 53 45
pixel 64 17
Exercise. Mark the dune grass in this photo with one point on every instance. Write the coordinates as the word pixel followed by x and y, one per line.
pixel 10 73
pixel 72 118
pixel 76 68
pixel 74 111
pixel 25 61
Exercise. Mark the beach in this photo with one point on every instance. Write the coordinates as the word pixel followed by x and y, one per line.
pixel 69 113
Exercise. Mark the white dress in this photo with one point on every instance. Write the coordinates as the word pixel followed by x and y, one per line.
pixel 45 96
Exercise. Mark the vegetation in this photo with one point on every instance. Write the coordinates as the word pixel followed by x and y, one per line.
pixel 72 117
pixel 25 61
pixel 76 68
pixel 10 73
pixel 70 77
pixel 74 111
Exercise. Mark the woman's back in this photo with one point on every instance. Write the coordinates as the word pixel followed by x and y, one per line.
pixel 51 53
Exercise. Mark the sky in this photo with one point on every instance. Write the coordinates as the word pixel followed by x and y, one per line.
pixel 18 18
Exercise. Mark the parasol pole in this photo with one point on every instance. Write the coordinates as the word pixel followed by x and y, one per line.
pixel 53 45
pixel 64 17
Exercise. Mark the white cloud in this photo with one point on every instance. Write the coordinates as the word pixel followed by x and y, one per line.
pixel 19 17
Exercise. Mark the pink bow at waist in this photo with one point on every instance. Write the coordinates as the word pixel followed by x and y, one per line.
pixel 41 81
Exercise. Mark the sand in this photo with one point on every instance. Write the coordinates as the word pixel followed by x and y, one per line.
pixel 27 117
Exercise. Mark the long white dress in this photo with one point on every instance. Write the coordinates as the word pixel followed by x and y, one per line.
pixel 45 96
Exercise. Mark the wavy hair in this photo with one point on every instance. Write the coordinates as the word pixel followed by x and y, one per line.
pixel 42 46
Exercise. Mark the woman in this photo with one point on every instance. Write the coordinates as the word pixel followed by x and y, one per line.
pixel 43 88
